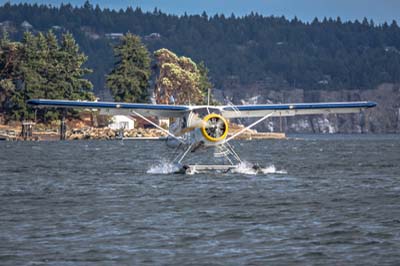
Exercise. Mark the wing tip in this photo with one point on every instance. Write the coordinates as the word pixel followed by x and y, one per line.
pixel 371 104
pixel 33 101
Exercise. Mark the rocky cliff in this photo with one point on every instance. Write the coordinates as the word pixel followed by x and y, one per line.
pixel 385 118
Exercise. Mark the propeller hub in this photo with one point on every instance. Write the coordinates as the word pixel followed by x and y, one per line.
pixel 215 128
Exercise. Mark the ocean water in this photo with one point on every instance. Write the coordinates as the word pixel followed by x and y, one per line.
pixel 322 200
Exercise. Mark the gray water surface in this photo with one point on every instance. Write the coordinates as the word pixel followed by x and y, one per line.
pixel 332 200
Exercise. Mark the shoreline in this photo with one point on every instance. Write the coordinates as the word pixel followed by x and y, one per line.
pixel 13 132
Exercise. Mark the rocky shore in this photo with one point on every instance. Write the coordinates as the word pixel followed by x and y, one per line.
pixel 109 134
pixel 40 132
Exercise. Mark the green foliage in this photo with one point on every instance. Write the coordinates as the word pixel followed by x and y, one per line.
pixel 327 54
pixel 129 79
pixel 205 83
pixel 9 56
pixel 40 67
pixel 73 85
pixel 180 78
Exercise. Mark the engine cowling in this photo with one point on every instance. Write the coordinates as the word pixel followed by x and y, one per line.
pixel 214 128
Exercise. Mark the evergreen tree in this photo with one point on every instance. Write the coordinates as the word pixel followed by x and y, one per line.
pixel 44 69
pixel 247 49
pixel 204 81
pixel 31 83
pixel 10 53
pixel 71 77
pixel 129 79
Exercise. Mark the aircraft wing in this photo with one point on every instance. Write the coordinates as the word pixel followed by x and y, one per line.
pixel 277 110
pixel 112 108
pixel 237 111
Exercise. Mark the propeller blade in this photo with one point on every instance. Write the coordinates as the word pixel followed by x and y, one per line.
pixel 198 123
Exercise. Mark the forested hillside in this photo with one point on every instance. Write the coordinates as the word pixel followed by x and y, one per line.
pixel 278 52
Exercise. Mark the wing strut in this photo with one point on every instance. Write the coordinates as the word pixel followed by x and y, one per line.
pixel 233 152
pixel 157 126
pixel 186 152
pixel 250 126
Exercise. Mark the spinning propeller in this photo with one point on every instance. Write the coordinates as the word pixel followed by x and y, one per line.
pixel 215 128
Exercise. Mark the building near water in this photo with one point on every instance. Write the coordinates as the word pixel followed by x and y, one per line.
pixel 122 122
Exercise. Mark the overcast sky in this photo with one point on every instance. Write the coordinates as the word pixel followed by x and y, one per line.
pixel 378 10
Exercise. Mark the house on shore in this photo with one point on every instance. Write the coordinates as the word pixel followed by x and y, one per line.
pixel 122 122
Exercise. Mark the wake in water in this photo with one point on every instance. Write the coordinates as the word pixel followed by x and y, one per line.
pixel 163 167
pixel 243 168
pixel 249 169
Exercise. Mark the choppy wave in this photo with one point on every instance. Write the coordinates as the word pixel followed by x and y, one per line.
pixel 339 204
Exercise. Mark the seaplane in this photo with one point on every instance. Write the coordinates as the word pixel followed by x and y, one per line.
pixel 200 127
